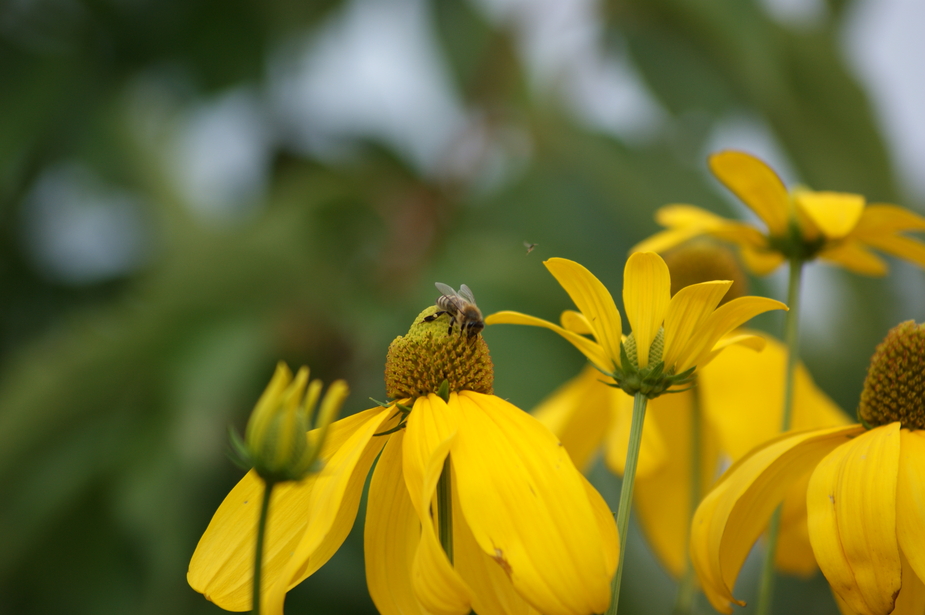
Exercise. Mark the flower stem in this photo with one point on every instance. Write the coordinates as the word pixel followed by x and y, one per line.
pixel 258 551
pixel 626 492
pixel 445 509
pixel 684 600
pixel 791 339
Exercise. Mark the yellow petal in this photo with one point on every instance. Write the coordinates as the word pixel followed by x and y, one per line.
pixel 756 184
pixel 910 500
pixel 743 397
pixel 755 343
pixel 881 219
pixel 724 319
pixel 593 300
pixel 222 565
pixel 855 257
pixel 576 322
pixel 331 508
pixel 593 351
pixel 911 600
pixel 646 293
pixel 430 424
pixel 734 514
pixel 666 240
pixel 687 311
pixel 579 413
pixel 662 498
pixel 652 450
pixel 492 591
pixel 437 585
pixel 835 214
pixel 391 535
pixel 527 507
pixel 851 503
pixel 761 261
pixel 906 248
pixel 794 555
pixel 680 215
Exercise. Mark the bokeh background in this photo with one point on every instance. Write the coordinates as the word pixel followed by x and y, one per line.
pixel 193 190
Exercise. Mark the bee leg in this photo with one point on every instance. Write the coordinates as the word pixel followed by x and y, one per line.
pixel 434 316
pixel 449 330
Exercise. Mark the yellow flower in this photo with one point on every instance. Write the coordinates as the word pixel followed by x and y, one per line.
pixel 740 396
pixel 832 226
pixel 865 494
pixel 671 336
pixel 530 534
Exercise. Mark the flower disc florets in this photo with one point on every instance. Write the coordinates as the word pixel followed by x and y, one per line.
pixel 419 362
pixel 894 389
pixel 652 380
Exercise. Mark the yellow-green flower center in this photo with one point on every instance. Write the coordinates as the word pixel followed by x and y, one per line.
pixel 894 389
pixel 419 362
pixel 705 260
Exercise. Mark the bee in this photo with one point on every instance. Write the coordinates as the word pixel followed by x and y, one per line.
pixel 461 308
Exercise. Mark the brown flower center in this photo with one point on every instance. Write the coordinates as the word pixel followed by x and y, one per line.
pixel 894 389
pixel 419 362
pixel 704 260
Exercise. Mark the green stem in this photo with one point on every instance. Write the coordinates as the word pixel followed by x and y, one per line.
pixel 626 492
pixel 445 509
pixel 791 339
pixel 258 551
pixel 684 600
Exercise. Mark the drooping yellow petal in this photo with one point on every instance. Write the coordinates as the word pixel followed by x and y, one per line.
pixel 911 599
pixel 646 293
pixel 580 413
pixel 331 508
pixel 222 566
pixel 734 514
pixel 663 499
pixel 391 535
pixel 851 505
pixel 835 214
pixel 906 248
pixel 855 257
pixel 910 500
pixel 527 508
pixel 794 554
pixel 743 397
pixel 593 300
pixel 430 424
pixel 880 220
pixel 724 319
pixel 687 311
pixel 492 591
pixel 437 585
pixel 593 351
pixel 756 184
pixel 684 222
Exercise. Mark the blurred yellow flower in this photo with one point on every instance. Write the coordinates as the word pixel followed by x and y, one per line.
pixel 865 494
pixel 740 398
pixel 671 336
pixel 832 226
pixel 530 534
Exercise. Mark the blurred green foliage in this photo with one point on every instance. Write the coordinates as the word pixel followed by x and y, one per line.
pixel 116 392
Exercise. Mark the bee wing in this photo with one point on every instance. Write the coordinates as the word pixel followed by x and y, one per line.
pixel 447 291
pixel 466 294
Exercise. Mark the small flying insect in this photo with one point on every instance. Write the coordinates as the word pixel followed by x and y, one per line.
pixel 529 246
pixel 461 308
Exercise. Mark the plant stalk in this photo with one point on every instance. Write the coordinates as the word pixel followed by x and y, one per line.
pixel 626 493
pixel 258 551
pixel 791 339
